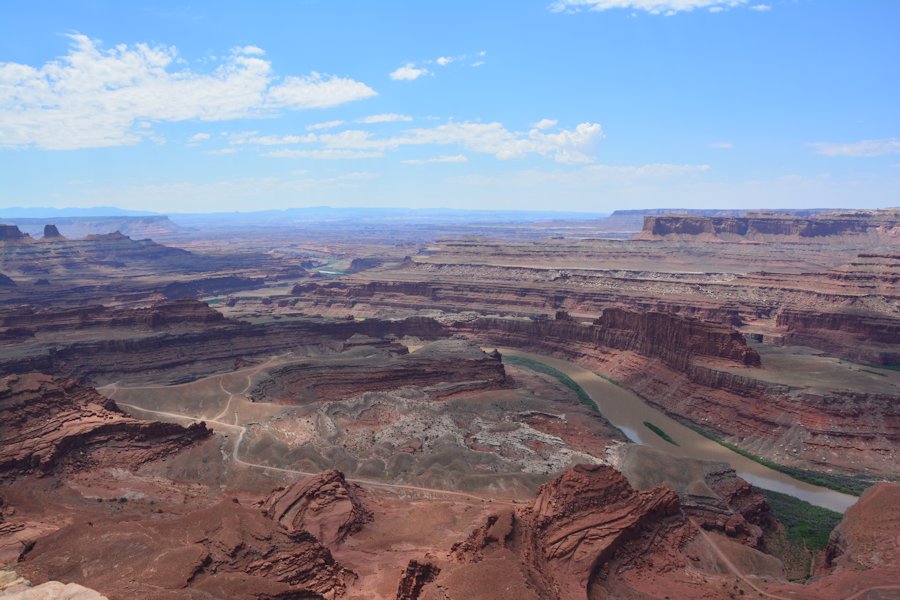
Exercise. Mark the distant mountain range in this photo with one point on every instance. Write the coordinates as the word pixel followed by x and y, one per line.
pixel 18 212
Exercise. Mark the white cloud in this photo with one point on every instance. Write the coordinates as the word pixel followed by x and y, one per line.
pixel 255 50
pixel 408 72
pixel 317 91
pixel 761 7
pixel 477 63
pixel 654 7
pixel 199 137
pixel 93 98
pixel 444 60
pixel 276 140
pixel 384 118
pixel 325 125
pixel 222 151
pixel 564 146
pixel 567 146
pixel 456 158
pixel 864 148
pixel 648 171
pixel 327 154
pixel 546 124
pixel 722 145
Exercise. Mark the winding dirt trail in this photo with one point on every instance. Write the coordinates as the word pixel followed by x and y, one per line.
pixel 237 459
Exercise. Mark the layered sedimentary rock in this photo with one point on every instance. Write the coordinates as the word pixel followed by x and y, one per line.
pixel 710 493
pixel 164 315
pixel 104 267
pixel 584 526
pixel 325 504
pixel 198 351
pixel 673 339
pixel 768 226
pixel 226 550
pixel 50 424
pixel 682 375
pixel 443 368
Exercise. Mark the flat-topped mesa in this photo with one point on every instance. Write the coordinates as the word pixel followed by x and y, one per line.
pixel 761 226
pixel 325 504
pixel 49 424
pixel 11 233
pixel 442 369
pixel 52 233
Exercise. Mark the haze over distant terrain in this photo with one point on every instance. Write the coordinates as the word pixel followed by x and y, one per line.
pixel 576 105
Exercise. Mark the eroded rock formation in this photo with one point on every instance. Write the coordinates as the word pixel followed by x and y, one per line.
pixel 226 550
pixel 324 504
pixel 50 424
pixel 443 368
pixel 582 525
pixel 415 577
pixel 52 233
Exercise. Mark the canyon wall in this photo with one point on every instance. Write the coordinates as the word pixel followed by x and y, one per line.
pixel 767 226
pixel 673 339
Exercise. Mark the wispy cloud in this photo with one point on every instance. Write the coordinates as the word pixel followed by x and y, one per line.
pixel 93 97
pixel 325 125
pixel 722 145
pixel 414 70
pixel 864 148
pixel 563 146
pixel 198 137
pixel 408 72
pixel 327 154
pixel 222 151
pixel 384 118
pixel 654 7
pixel 456 158
pixel 546 124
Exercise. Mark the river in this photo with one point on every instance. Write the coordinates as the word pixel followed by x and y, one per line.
pixel 628 411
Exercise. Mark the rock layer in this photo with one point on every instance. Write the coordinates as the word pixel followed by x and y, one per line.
pixel 50 424
pixel 443 368
pixel 226 550
pixel 582 526
pixel 324 504
pixel 766 226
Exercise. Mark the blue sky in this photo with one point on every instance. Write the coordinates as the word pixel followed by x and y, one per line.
pixel 584 105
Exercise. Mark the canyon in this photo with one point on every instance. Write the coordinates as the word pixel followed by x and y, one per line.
pixel 406 409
